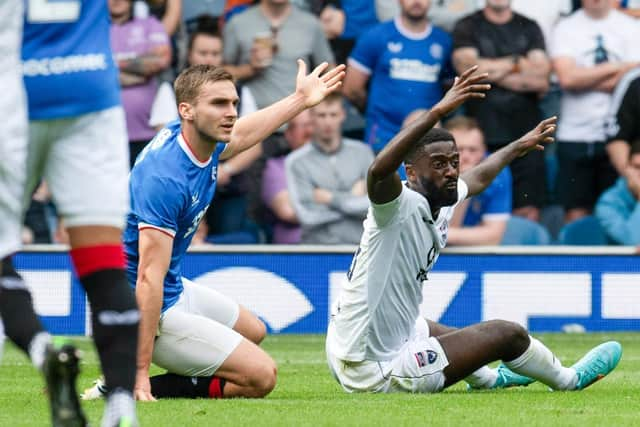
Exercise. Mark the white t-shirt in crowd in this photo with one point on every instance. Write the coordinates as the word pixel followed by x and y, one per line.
pixel 583 113
pixel 546 13
pixel 379 301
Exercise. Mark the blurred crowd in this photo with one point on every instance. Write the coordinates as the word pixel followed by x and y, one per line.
pixel 579 60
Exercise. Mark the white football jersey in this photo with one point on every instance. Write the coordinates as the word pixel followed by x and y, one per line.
pixel 379 301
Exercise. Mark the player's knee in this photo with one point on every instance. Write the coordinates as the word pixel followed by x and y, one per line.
pixel 514 333
pixel 264 379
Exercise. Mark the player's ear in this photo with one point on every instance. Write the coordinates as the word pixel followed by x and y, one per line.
pixel 410 172
pixel 185 110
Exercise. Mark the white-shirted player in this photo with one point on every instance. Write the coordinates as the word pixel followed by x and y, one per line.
pixel 377 341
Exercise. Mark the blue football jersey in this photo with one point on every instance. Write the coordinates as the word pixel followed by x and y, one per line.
pixel 494 201
pixel 406 73
pixel 170 191
pixel 67 62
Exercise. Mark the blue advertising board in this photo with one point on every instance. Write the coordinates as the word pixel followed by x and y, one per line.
pixel 292 291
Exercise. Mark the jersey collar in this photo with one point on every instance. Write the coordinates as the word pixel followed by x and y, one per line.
pixel 184 144
pixel 409 34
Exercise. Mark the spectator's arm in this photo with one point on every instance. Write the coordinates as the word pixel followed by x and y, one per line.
pixel 618 151
pixel 574 77
pixel 349 204
pixel 148 64
pixel 355 86
pixel 128 79
pixel 301 194
pixel 622 230
pixel 281 206
pixel 172 16
pixel 497 68
pixel 532 76
pixel 489 232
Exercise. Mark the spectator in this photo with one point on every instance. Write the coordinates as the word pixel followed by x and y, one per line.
pixel 262 43
pixel 623 127
pixel 169 12
pixel 275 194
pixel 592 49
pixel 510 48
pixel 446 13
pixel 629 7
pixel 402 62
pixel 482 219
pixel 326 179
pixel 141 49
pixel 618 209
pixel 546 14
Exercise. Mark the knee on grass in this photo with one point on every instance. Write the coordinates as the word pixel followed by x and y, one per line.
pixel 262 379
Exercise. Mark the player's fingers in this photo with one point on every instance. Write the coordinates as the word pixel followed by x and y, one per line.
pixel 478 78
pixel 475 95
pixel 302 68
pixel 334 87
pixel 319 69
pixel 549 121
pixel 478 88
pixel 468 72
pixel 333 72
pixel 337 78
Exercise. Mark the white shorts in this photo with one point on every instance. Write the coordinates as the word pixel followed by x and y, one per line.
pixel 13 147
pixel 416 369
pixel 85 162
pixel 195 335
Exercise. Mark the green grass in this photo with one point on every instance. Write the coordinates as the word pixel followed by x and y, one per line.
pixel 307 395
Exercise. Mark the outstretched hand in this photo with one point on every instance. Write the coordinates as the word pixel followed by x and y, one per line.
pixel 537 137
pixel 314 86
pixel 465 87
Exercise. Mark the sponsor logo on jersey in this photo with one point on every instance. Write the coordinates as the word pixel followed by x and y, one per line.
pixel 414 70
pixel 195 199
pixel 64 65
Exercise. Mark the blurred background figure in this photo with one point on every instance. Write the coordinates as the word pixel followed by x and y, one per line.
pixel 326 179
pixel 482 219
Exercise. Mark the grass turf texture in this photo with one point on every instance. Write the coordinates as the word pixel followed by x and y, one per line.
pixel 306 394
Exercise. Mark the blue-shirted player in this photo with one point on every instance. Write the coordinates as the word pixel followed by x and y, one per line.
pixel 77 143
pixel 481 219
pixel 403 62
pixel 205 341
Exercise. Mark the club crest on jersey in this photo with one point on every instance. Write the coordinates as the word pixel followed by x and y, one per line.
pixel 394 47
pixel 436 51
pixel 427 357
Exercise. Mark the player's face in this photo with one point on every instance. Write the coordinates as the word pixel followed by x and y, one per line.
pixel 206 50
pixel 327 120
pixel 415 9
pixel 634 166
pixel 215 113
pixel 435 173
pixel 300 130
pixel 471 148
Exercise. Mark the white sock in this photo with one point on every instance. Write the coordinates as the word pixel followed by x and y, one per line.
pixel 37 348
pixel 539 362
pixel 120 403
pixel 484 377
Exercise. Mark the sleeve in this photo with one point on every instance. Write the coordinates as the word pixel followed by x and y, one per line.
pixel 561 41
pixel 272 182
pixel 301 188
pixel 463 190
pixel 622 226
pixel 157 202
pixel 321 51
pixel 463 34
pixel 387 213
pixel 623 123
pixel 499 202
pixel 157 35
pixel 163 109
pixel 536 37
pixel 366 52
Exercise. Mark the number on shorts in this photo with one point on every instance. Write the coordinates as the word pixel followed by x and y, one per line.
pixel 46 11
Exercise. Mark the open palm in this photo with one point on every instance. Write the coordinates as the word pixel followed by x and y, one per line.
pixel 535 138
pixel 314 87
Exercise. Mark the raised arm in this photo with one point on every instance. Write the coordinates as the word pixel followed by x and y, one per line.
pixel 383 182
pixel 311 89
pixel 479 177
pixel 155 255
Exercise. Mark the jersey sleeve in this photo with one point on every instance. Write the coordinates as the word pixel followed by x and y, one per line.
pixel 158 202
pixel 364 55
pixel 536 38
pixel 385 213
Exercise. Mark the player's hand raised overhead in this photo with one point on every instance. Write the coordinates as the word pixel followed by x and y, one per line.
pixel 535 138
pixel 314 87
pixel 464 87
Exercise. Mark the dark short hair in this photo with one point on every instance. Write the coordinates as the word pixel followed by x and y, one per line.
pixel 201 32
pixel 433 135
pixel 187 85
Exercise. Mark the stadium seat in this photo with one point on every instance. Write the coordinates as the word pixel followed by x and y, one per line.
pixel 521 231
pixel 585 231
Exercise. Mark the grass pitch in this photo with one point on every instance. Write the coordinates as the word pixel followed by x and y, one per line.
pixel 306 394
